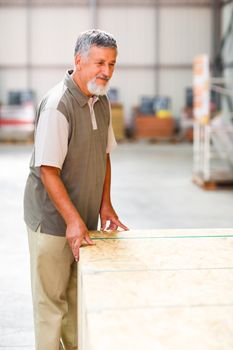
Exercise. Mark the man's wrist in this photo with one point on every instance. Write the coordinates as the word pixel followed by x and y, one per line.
pixel 73 218
pixel 106 204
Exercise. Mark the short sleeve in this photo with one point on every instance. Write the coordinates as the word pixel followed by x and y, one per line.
pixel 51 139
pixel 111 137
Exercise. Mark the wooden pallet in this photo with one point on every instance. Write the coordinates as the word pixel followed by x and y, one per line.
pixel 171 139
pixel 13 141
pixel 213 184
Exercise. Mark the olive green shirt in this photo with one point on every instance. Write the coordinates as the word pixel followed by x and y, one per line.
pixel 83 165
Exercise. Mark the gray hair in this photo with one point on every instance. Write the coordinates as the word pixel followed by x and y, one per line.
pixel 93 37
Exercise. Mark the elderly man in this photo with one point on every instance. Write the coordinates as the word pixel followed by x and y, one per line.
pixel 68 187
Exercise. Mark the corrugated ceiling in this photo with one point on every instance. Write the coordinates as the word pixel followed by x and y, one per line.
pixel 106 2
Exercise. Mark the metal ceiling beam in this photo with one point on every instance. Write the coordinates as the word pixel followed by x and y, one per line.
pixel 43 3
pixel 182 66
pixel 108 3
pixel 163 3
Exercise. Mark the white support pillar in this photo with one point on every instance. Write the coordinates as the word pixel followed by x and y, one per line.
pixel 206 152
pixel 93 11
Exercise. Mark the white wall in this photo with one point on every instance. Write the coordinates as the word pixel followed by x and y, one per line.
pixel 13 36
pixel 134 29
pixel 173 83
pixel 54 33
pixel 137 43
pixel 184 33
pixel 133 84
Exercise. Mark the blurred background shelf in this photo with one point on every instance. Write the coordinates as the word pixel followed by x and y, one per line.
pixel 118 120
pixel 147 127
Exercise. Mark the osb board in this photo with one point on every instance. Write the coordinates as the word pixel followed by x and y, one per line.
pixel 162 289
pixel 161 328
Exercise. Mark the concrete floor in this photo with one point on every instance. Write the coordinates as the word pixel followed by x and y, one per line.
pixel 151 188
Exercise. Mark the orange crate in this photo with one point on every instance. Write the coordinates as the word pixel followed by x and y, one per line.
pixel 153 127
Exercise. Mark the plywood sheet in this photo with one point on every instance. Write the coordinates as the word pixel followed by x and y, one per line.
pixel 157 289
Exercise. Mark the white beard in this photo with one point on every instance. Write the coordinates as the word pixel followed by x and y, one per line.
pixel 98 90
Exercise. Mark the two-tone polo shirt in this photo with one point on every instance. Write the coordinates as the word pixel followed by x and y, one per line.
pixel 73 133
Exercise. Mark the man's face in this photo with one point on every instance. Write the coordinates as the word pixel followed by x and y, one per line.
pixel 95 70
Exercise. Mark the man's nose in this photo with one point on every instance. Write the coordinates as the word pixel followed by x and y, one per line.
pixel 106 71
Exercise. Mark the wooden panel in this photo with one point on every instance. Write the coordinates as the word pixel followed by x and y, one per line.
pixel 157 289
pixel 153 127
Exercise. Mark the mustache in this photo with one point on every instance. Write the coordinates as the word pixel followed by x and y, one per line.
pixel 104 77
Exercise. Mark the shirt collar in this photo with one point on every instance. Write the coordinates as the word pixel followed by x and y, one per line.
pixel 75 90
pixel 92 100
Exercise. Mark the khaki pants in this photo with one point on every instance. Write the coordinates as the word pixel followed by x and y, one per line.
pixel 54 291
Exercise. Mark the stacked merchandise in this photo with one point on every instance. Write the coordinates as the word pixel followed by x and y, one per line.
pixel 117 114
pixel 154 119
pixel 17 116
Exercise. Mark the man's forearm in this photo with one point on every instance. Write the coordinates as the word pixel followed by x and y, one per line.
pixel 107 213
pixel 76 229
pixel 106 196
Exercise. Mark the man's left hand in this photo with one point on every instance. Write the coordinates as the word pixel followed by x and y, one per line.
pixel 107 213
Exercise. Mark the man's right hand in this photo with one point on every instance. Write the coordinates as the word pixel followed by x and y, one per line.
pixel 76 232
pixel 76 229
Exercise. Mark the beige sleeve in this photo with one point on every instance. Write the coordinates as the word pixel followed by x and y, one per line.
pixel 51 139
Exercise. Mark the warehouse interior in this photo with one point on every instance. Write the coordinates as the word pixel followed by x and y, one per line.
pixel 170 170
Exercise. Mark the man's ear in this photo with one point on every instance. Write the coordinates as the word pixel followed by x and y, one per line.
pixel 77 61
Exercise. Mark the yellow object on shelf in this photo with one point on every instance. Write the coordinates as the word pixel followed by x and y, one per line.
pixel 163 113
